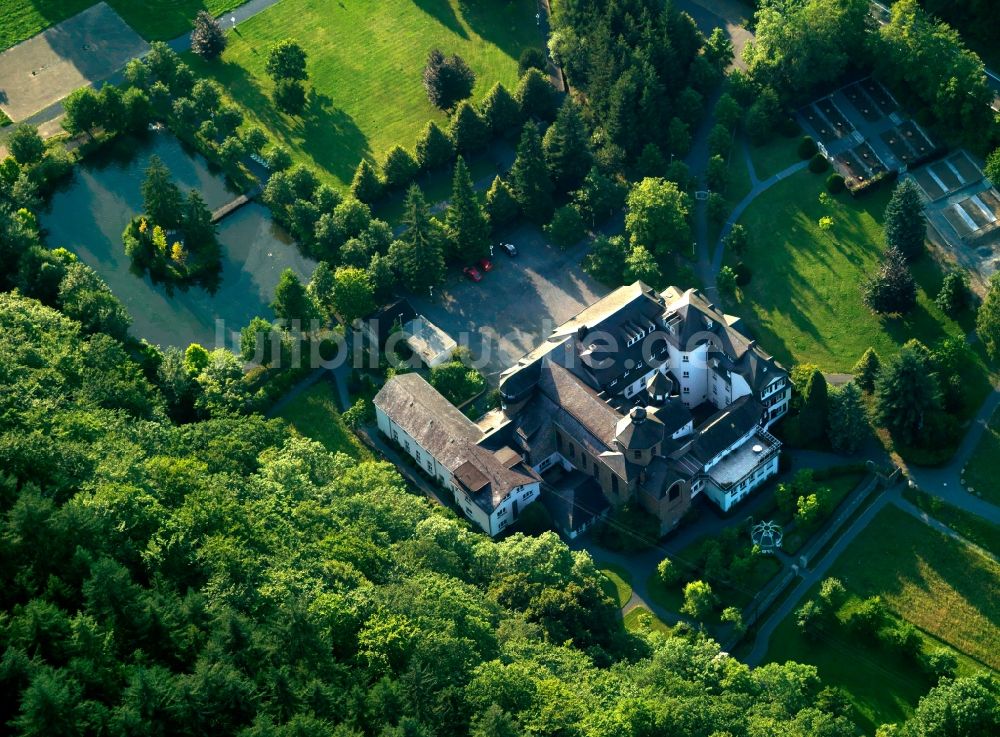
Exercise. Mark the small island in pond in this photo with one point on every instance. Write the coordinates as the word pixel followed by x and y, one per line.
pixel 174 239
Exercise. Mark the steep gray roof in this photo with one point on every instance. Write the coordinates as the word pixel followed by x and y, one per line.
pixel 427 417
pixel 489 477
pixel 725 427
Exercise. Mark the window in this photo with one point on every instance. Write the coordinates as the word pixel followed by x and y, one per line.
pixel 687 390
pixel 614 483
pixel 559 442
pixel 395 436
pixel 502 511
pixel 528 494
pixel 687 375
pixel 419 459
pixel 430 465
pixel 572 450
pixel 406 445
pixel 637 454
pixel 686 358
pixel 674 493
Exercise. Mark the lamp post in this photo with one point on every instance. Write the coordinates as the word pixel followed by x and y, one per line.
pixel 233 19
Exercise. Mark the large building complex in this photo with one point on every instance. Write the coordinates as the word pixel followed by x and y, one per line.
pixel 644 397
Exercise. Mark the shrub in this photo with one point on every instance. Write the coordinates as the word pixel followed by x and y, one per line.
pixel 807 147
pixel 818 164
pixel 628 529
pixel 567 227
pixel 940 664
pixel 531 58
pixel 835 184
pixel 534 519
pixel 668 572
pixel 743 274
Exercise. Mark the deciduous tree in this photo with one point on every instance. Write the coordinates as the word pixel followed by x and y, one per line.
pixel 657 216
pixel 286 60
pixel 892 288
pixel 988 319
pixel 207 38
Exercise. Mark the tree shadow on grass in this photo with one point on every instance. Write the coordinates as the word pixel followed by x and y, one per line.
pixel 511 26
pixel 444 12
pixel 325 133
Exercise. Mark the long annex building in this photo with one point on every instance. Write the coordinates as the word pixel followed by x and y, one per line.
pixel 644 397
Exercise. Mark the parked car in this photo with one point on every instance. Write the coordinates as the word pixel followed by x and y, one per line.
pixel 509 249
pixel 485 264
pixel 472 273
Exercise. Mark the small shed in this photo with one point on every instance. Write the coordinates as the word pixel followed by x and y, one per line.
pixel 432 344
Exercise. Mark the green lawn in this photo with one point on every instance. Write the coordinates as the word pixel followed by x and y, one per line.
pixel 937 583
pixel 973 528
pixel 314 414
pixel 366 60
pixel 940 585
pixel 641 619
pixel 152 19
pixel 983 469
pixel 804 302
pixel 777 154
pixel 617 584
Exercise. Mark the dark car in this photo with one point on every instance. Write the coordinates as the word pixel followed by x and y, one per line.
pixel 472 273
pixel 509 249
pixel 485 264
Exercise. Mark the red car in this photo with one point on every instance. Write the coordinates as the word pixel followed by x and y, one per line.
pixel 472 273
pixel 485 264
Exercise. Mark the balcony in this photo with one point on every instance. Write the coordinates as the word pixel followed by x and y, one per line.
pixel 770 391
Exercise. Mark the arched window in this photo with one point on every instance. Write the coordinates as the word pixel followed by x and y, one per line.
pixel 674 492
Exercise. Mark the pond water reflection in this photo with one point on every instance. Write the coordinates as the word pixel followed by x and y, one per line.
pixel 87 217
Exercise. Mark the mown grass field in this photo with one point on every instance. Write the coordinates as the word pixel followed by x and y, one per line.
pixel 983 470
pixel 973 528
pixel 617 583
pixel 152 19
pixel 948 591
pixel 777 154
pixel 365 63
pixel 804 301
pixel 314 414
pixel 641 619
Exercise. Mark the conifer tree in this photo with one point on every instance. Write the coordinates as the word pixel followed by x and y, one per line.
pixel 905 223
pixel 567 148
pixel 500 203
pixel 866 371
pixel 399 167
pixel 530 177
pixel 466 223
pixel 847 422
pixel 501 111
pixel 434 148
pixel 536 96
pixel 161 199
pixel 892 288
pixel 366 185
pixel 907 393
pixel 468 129
pixel 815 406
pixel 418 255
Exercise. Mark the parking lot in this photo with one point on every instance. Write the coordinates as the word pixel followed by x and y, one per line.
pixel 516 305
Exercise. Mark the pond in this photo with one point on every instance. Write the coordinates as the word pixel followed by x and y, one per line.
pixel 87 217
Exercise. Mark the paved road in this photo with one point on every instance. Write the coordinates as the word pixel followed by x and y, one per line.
pixel 811 577
pixel 945 481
